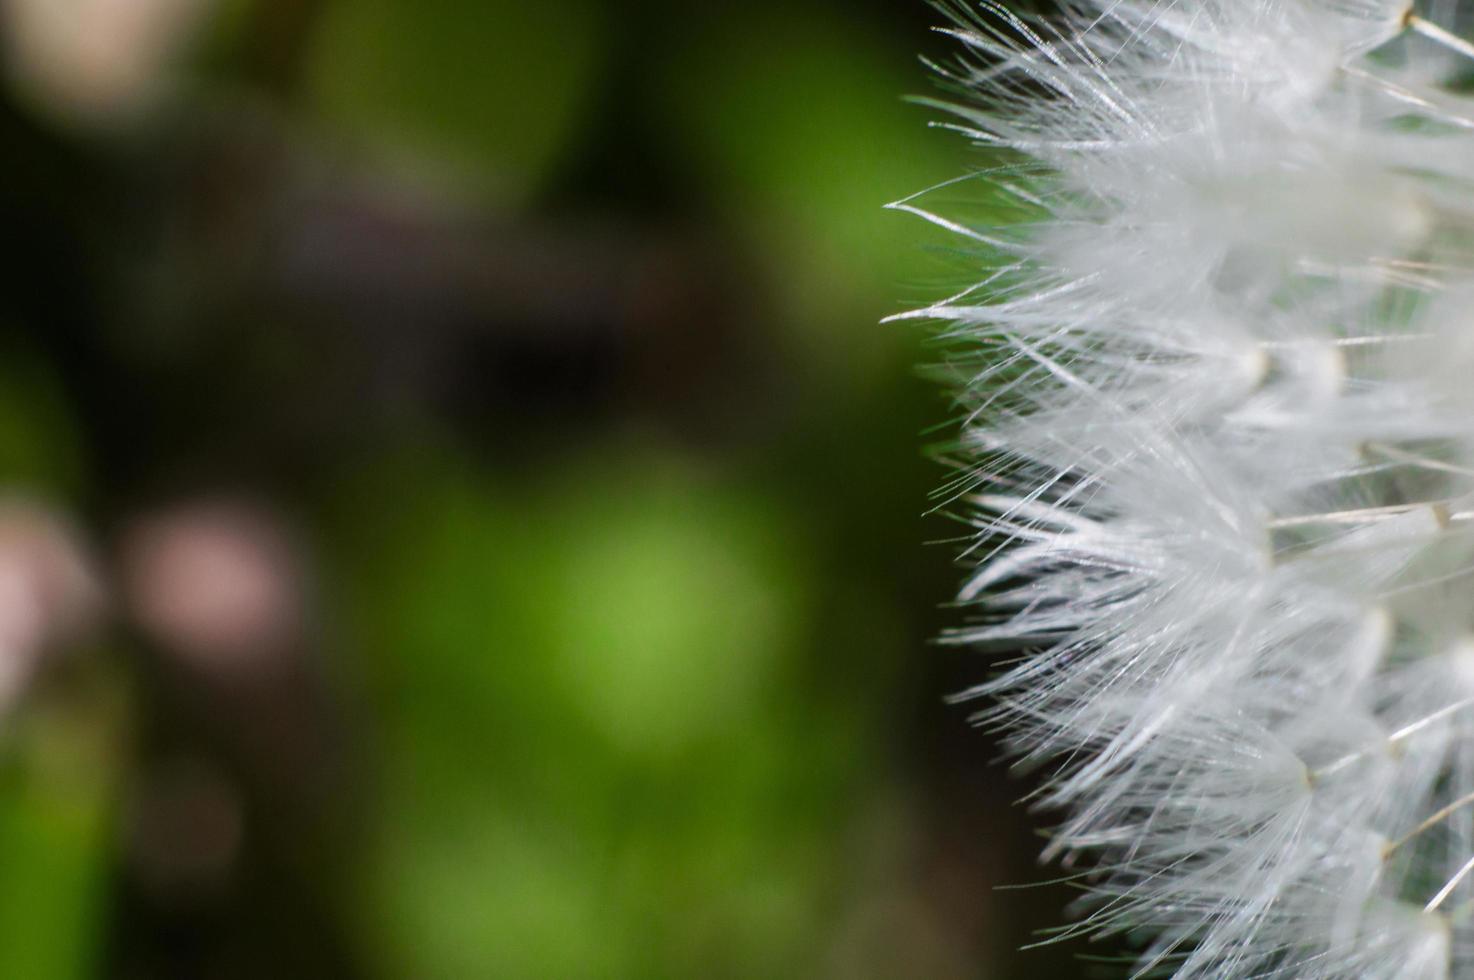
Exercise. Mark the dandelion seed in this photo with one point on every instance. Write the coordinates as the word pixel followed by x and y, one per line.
pixel 1217 441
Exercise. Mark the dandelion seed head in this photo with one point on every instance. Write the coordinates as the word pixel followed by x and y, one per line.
pixel 1217 452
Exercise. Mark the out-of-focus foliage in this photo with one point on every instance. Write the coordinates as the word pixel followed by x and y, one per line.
pixel 40 446
pixel 792 117
pixel 508 503
pixel 648 763
pixel 484 94
pixel 58 798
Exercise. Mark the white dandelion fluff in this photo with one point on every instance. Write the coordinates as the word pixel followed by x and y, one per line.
pixel 1217 452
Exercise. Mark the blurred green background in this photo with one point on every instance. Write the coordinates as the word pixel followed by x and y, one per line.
pixel 460 515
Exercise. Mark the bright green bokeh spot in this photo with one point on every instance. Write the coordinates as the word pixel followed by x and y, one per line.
pixel 669 602
pixel 596 763
pixel 482 95
pixel 479 895
pixel 650 603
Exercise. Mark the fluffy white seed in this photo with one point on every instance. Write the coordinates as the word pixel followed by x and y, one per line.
pixel 1217 448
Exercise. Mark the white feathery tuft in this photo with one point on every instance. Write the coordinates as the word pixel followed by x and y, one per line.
pixel 1217 455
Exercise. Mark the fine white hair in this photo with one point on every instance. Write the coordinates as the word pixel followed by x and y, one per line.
pixel 1216 394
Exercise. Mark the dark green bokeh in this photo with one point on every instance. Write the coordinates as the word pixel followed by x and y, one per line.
pixel 554 330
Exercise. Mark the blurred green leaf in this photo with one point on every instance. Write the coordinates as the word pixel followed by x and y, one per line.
pixel 800 127
pixel 40 446
pixel 58 786
pixel 593 722
pixel 669 603
pixel 481 94
pixel 475 893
